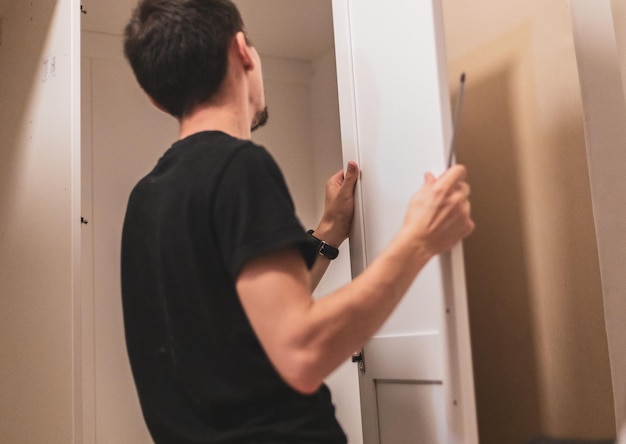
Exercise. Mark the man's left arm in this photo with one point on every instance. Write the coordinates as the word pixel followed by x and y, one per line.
pixel 336 221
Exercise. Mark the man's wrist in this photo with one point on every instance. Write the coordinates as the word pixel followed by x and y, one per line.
pixel 322 247
pixel 330 232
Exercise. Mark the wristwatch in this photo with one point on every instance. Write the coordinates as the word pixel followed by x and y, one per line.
pixel 326 250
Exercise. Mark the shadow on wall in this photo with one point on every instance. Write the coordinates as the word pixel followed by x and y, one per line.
pixel 25 28
pixel 534 291
pixel 504 355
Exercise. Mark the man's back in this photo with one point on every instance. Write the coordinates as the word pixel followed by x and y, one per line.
pixel 211 204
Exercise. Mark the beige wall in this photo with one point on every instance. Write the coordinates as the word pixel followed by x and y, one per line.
pixel 123 137
pixel 39 223
pixel 288 133
pixel 538 333
pixel 619 17
pixel 618 352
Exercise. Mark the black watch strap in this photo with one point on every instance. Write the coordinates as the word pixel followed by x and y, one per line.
pixel 326 250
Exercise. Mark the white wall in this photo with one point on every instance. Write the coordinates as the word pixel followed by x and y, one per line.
pixel 39 222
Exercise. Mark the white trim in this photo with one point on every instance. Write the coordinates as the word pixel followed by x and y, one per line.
pixel 349 124
pixel 604 112
pixel 75 125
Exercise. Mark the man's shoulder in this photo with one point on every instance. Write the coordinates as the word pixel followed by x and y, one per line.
pixel 208 142
pixel 216 146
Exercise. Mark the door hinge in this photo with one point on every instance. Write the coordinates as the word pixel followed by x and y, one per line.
pixel 360 358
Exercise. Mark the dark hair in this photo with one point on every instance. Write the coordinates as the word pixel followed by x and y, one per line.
pixel 178 49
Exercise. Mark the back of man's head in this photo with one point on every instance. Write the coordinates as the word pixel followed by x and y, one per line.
pixel 178 49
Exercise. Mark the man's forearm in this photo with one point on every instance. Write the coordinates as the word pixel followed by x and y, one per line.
pixel 327 234
pixel 318 270
pixel 306 339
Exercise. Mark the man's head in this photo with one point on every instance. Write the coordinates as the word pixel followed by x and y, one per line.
pixel 178 49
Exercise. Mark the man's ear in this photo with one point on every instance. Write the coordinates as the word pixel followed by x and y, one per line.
pixel 243 50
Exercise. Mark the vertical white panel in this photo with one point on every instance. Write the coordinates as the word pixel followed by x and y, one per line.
pixel 395 118
pixel 400 133
pixel 397 403
pixel 39 222
pixel 605 134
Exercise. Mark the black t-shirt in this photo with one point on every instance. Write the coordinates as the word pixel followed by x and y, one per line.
pixel 211 204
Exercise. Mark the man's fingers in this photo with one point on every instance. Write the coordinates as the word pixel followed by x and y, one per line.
pixel 464 189
pixel 351 175
pixel 454 174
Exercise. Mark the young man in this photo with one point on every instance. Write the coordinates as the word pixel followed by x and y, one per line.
pixel 225 342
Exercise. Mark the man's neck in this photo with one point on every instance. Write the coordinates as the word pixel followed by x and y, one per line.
pixel 227 119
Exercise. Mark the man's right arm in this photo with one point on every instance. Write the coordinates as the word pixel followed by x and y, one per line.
pixel 307 339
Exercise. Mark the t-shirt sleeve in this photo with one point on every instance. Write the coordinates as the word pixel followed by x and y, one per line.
pixel 253 211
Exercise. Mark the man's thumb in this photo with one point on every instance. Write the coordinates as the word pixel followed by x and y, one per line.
pixel 429 178
pixel 352 173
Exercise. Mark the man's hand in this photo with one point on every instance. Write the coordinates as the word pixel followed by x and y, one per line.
pixel 336 221
pixel 439 213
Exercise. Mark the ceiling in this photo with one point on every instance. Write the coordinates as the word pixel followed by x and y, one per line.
pixel 290 29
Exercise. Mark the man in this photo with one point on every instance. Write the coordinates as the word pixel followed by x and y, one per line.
pixel 225 342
